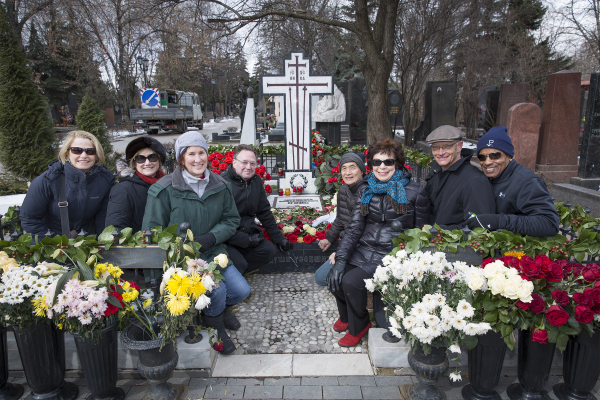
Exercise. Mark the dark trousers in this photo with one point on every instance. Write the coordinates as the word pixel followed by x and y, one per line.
pixel 352 299
pixel 251 258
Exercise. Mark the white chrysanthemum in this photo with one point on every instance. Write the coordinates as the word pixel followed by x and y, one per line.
pixel 454 348
pixel 432 320
pixel 203 302
pixel 369 285
pixel 455 376
pixel 208 282
pixel 465 309
pixel 409 322
pixel 85 319
pixel 395 332
pixel 399 312
pixel 458 322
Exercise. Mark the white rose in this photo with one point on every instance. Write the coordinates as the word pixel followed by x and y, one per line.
pixel 496 285
pixel 476 282
pixel 524 292
pixel 222 260
pixel 490 270
pixel 511 290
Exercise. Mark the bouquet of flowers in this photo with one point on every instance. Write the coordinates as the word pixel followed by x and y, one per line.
pixel 429 299
pixel 23 291
pixel 296 224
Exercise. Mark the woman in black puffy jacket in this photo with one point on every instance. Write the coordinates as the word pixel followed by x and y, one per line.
pixel 390 197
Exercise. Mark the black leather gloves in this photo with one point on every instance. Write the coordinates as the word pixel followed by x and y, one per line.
pixel 491 222
pixel 285 246
pixel 255 240
pixel 206 241
pixel 335 275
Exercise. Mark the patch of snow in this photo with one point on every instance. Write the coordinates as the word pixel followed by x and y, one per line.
pixel 469 145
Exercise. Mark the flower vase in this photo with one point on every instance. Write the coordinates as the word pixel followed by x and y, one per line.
pixel 42 350
pixel 580 367
pixel 155 364
pixel 534 361
pixel 485 366
pixel 428 368
pixel 8 391
pixel 99 364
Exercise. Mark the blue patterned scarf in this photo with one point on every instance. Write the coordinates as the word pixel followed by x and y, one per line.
pixel 396 195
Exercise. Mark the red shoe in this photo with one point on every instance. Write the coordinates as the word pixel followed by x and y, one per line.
pixel 340 326
pixel 350 341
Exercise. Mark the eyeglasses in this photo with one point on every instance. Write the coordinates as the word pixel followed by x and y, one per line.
pixel 246 163
pixel 493 156
pixel 445 147
pixel 78 150
pixel 388 163
pixel 140 159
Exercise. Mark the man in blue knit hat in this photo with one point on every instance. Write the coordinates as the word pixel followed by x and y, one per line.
pixel 523 204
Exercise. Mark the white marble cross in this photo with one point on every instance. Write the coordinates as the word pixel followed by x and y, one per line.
pixel 296 86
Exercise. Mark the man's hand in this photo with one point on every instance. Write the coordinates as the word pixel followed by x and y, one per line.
pixel 332 258
pixel 324 244
pixel 335 275
pixel 491 222
pixel 255 240
pixel 284 246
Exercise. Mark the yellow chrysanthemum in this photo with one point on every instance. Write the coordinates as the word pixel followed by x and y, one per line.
pixel 517 254
pixel 177 304
pixel 40 306
pixel 197 288
pixel 103 270
pixel 130 295
pixel 126 285
pixel 115 271
pixel 147 302
pixel 59 326
pixel 178 284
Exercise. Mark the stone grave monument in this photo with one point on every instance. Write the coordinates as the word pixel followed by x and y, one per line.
pixel 394 108
pixel 249 124
pixel 329 113
pixel 559 133
pixel 523 123
pixel 439 108
pixel 589 162
pixel 357 110
pixel 510 94
pixel 297 85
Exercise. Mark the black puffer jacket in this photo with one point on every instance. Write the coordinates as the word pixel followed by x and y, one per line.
pixel 127 201
pixel 251 201
pixel 368 239
pixel 461 188
pixel 524 203
pixel 346 199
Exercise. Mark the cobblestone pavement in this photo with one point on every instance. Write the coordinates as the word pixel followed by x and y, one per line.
pixel 288 313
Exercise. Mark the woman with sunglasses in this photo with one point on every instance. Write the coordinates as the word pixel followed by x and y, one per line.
pixel 79 173
pixel 144 158
pixel 390 202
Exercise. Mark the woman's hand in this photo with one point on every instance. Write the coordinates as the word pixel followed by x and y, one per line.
pixel 324 244
pixel 332 258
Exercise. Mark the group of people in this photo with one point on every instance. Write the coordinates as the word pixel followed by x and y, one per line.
pixel 78 194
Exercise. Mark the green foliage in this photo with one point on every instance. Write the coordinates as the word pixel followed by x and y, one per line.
pixel 10 184
pixel 90 118
pixel 26 132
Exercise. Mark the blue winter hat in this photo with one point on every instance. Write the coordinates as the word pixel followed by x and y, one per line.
pixel 497 138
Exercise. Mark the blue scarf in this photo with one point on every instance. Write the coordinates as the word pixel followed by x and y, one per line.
pixel 394 188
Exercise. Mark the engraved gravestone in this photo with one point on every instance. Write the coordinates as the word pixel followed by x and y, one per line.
pixel 394 108
pixel 439 108
pixel 510 94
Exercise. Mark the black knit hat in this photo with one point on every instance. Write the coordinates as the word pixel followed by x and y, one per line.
pixel 359 160
pixel 145 142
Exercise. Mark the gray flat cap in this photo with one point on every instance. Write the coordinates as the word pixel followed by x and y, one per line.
pixel 444 133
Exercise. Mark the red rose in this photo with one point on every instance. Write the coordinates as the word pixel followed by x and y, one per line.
pixel 218 346
pixel 530 269
pixel 268 189
pixel 134 285
pixel 228 160
pixel 297 231
pixel 407 167
pixel 556 315
pixel 309 239
pixel 597 284
pixel 561 297
pixel 366 152
pixel 328 226
pixel 257 171
pixel 215 163
pixel 523 306
pixel 211 157
pixel 293 238
pixel 321 235
pixel 537 304
pixel 583 299
pixel 589 275
pixel 299 224
pixel 540 336
pixel 280 226
pixel 330 181
pixel 111 309
pixel 268 177
pixel 595 293
pixel 219 156
pixel 583 314
pixel 216 171
pixel 556 273
pixel 223 166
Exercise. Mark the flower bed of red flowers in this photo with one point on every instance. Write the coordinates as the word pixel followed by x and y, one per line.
pixel 566 297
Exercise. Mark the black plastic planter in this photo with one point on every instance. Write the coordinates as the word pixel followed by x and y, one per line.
pixel 534 362
pixel 99 364
pixel 580 367
pixel 428 368
pixel 8 391
pixel 155 364
pixel 485 366
pixel 42 351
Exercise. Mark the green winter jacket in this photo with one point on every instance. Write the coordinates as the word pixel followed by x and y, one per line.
pixel 172 201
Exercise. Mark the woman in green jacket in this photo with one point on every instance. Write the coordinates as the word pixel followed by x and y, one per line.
pixel 194 194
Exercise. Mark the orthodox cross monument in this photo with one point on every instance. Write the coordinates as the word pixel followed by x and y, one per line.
pixel 296 86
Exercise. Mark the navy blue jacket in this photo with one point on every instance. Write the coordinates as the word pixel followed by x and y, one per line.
pixel 524 203
pixel 87 194
pixel 127 201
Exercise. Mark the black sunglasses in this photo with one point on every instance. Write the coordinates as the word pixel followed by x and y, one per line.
pixel 493 156
pixel 389 162
pixel 140 159
pixel 78 150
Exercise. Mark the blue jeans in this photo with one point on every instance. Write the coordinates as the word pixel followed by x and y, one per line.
pixel 231 291
pixel 321 273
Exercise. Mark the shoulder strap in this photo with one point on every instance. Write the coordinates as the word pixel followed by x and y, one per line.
pixel 63 205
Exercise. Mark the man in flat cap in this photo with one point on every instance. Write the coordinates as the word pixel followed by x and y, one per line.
pixel 523 204
pixel 455 187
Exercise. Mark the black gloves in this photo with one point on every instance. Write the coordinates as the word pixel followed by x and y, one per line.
pixel 285 246
pixel 255 240
pixel 491 222
pixel 335 275
pixel 206 241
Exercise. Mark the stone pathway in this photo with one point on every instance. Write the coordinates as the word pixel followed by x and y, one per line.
pixel 288 313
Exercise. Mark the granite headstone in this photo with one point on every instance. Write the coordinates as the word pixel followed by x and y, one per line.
pixel 439 108
pixel 589 161
pixel 523 123
pixel 357 107
pixel 394 108
pixel 510 94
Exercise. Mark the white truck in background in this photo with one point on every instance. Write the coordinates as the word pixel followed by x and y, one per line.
pixel 167 109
